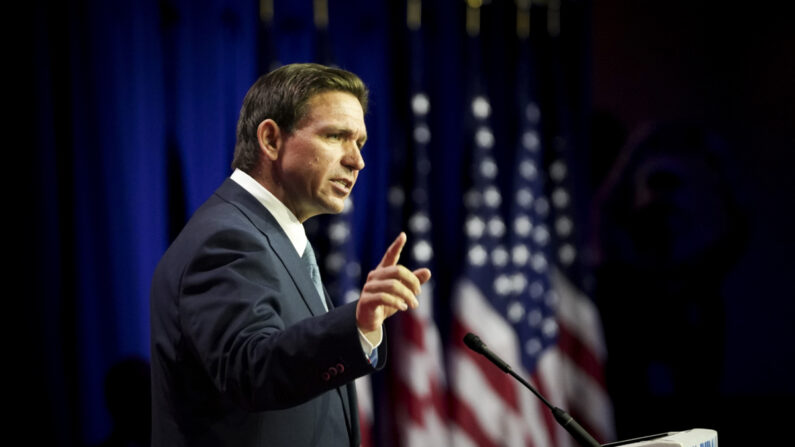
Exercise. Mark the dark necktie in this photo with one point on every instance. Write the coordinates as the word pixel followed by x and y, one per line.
pixel 314 272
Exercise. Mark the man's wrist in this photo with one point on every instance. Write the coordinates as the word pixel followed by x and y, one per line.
pixel 370 340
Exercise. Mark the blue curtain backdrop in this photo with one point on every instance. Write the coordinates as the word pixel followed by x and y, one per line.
pixel 129 124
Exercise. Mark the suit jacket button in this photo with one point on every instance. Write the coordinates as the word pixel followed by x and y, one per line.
pixel 332 371
pixel 326 377
pixel 340 368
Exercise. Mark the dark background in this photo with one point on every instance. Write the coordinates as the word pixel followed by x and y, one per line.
pixel 729 68
pixel 110 94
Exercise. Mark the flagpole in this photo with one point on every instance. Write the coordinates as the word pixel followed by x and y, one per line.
pixel 266 54
pixel 320 14
pixel 473 17
pixel 414 14
pixel 553 17
pixel 266 12
pixel 522 19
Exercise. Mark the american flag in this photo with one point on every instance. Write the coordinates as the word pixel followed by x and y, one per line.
pixel 513 295
pixel 418 379
pixel 579 364
pixel 341 263
pixel 343 281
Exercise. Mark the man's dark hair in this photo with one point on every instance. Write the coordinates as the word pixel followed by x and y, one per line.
pixel 282 95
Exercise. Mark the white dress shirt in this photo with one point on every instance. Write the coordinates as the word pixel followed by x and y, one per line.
pixel 293 228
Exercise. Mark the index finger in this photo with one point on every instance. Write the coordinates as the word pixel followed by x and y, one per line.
pixel 393 252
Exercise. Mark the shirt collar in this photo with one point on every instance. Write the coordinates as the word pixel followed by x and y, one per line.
pixel 287 221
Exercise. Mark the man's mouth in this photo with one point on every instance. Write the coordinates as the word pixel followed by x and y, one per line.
pixel 345 183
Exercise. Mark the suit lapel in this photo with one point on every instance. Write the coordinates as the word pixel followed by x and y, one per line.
pixel 327 297
pixel 278 240
pixel 261 218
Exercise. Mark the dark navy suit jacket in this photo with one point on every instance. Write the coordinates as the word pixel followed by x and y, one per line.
pixel 243 353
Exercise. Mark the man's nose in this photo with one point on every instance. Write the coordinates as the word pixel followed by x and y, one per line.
pixel 353 157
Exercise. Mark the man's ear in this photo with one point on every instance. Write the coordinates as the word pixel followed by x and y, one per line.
pixel 270 138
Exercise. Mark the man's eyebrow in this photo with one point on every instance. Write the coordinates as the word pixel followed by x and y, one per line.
pixel 336 128
pixel 346 131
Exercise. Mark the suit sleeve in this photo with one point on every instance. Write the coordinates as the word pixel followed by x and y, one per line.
pixel 241 315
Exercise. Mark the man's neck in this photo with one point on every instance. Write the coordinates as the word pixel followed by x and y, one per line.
pixel 289 223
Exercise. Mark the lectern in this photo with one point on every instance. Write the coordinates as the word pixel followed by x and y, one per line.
pixel 697 437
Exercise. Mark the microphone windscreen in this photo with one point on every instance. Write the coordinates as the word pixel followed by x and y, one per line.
pixel 473 342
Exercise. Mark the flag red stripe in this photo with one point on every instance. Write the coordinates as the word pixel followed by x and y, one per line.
pixel 366 431
pixel 549 420
pixel 412 330
pixel 468 422
pixel 573 348
pixel 439 399
pixel 414 405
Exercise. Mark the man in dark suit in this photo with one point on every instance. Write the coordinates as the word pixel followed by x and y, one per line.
pixel 246 347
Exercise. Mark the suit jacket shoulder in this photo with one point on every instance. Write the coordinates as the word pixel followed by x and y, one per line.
pixel 239 337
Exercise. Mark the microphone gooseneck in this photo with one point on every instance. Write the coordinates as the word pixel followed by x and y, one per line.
pixel 584 438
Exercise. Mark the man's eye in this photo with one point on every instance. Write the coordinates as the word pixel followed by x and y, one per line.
pixel 336 136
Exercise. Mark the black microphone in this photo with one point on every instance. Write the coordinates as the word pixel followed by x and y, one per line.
pixel 474 343
pixel 584 438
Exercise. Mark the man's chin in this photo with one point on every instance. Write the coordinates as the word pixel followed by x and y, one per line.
pixel 333 206
pixel 339 207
